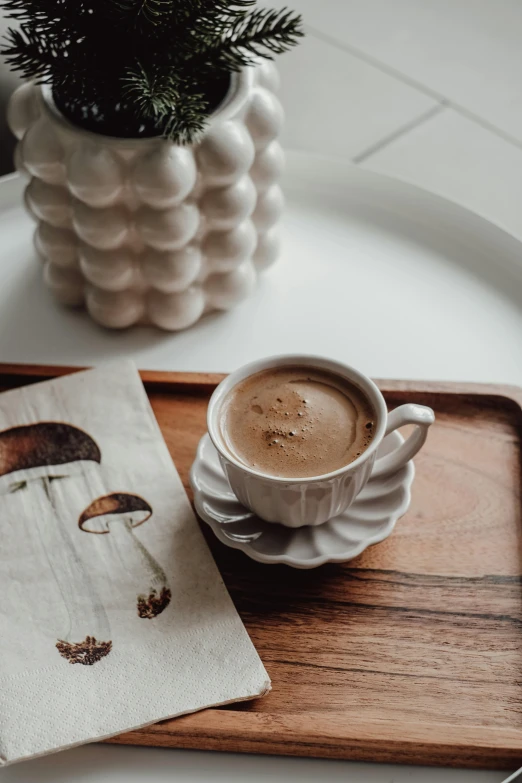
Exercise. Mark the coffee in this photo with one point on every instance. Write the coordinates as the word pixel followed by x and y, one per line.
pixel 296 422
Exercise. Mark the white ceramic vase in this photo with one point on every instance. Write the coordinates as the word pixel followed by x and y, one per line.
pixel 144 230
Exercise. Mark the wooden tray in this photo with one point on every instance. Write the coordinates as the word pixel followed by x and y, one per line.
pixel 413 651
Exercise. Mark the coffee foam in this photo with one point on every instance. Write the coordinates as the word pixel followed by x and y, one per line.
pixel 297 422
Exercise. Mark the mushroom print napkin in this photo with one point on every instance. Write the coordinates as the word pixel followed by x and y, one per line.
pixel 113 613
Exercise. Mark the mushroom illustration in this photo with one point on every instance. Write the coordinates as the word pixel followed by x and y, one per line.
pixel 34 458
pixel 118 514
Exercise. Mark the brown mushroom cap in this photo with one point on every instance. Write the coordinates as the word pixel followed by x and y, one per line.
pixel 35 449
pixel 98 515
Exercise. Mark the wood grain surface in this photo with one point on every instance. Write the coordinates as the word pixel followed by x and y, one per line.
pixel 413 651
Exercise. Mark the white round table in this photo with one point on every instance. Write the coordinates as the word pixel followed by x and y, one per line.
pixel 379 274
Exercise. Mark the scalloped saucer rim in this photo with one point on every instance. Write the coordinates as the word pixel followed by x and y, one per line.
pixel 215 490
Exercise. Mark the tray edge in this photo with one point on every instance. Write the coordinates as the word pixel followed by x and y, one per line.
pixel 214 729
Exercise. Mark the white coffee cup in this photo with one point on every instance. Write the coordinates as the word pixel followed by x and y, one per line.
pixel 296 502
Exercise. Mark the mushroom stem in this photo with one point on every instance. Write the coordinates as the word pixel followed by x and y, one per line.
pixel 154 594
pixel 84 640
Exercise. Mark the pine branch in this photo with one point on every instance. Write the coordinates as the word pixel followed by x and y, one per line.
pixel 187 119
pixel 151 11
pixel 188 13
pixel 263 33
pixel 29 54
pixel 43 12
pixel 154 94
pixel 61 51
pixel 165 99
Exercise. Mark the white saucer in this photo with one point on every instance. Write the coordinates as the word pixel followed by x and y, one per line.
pixel 369 520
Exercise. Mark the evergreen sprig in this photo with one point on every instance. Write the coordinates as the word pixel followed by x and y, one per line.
pixel 159 61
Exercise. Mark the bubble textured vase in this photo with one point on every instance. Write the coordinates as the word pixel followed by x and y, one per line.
pixel 144 230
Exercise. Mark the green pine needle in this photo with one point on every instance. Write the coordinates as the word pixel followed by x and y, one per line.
pixel 262 33
pixel 154 93
pixel 150 10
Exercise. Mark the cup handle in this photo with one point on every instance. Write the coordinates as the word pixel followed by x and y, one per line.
pixel 420 415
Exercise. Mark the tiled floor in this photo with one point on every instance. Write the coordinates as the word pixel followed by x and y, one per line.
pixel 429 91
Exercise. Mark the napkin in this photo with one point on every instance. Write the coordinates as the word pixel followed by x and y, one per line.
pixel 113 614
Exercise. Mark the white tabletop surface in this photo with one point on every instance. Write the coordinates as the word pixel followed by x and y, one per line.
pixel 408 88
pixel 116 764
pixel 373 272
